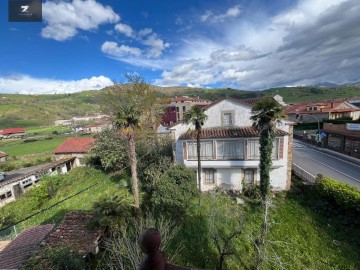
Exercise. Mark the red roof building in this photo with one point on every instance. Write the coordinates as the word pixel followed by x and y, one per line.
pixel 74 147
pixel 11 132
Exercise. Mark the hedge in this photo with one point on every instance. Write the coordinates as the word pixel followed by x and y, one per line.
pixel 346 197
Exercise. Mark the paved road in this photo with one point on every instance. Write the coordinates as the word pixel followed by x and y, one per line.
pixel 326 163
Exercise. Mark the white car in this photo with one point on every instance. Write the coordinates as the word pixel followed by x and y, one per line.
pixel 2 176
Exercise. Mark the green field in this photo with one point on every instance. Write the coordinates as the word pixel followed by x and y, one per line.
pixel 18 147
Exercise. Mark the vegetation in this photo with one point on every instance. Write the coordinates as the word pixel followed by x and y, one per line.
pixel 17 147
pixel 173 192
pixel 196 117
pixel 344 197
pixel 64 185
pixel 17 163
pixel 265 113
pixel 131 105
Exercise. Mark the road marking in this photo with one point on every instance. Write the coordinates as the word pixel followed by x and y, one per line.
pixel 333 156
pixel 332 168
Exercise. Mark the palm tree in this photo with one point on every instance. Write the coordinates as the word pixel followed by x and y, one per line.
pixel 197 117
pixel 130 104
pixel 265 113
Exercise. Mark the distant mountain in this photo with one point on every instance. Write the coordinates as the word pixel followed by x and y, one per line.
pixel 36 110
pixel 325 84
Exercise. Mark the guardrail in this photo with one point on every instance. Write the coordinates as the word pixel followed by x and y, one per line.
pixel 303 174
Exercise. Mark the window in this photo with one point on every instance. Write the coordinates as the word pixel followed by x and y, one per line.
pixel 253 149
pixel 230 149
pixel 227 119
pixel 209 176
pixel 249 176
pixel 206 150
pixel 275 151
pixel 184 108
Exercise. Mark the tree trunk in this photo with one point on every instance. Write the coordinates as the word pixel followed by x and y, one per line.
pixel 199 160
pixel 133 166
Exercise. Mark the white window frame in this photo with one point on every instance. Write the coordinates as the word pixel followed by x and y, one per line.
pixel 202 143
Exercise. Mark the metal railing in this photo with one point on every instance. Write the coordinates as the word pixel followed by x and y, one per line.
pixel 303 174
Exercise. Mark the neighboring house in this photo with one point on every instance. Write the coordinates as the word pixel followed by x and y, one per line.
pixel 230 148
pixel 63 122
pixel 14 185
pixel 96 127
pixel 178 106
pixel 8 133
pixel 3 157
pixel 344 138
pixel 74 147
pixel 322 110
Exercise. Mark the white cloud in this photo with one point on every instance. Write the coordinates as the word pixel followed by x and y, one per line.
pixel 25 84
pixel 232 12
pixel 156 45
pixel 196 85
pixel 311 42
pixel 112 48
pixel 124 29
pixel 64 18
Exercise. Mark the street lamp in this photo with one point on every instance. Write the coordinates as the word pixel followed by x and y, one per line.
pixel 318 124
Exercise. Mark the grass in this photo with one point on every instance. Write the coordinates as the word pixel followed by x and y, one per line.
pixel 77 180
pixel 302 235
pixel 306 233
pixel 17 147
pixel 24 162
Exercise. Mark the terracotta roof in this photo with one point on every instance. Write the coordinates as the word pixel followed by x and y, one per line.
pixel 6 131
pixel 75 145
pixel 75 233
pixel 235 132
pixel 327 107
pixel 16 253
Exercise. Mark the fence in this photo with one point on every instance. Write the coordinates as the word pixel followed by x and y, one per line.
pixel 301 173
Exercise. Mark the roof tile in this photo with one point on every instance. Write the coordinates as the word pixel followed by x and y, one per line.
pixel 75 145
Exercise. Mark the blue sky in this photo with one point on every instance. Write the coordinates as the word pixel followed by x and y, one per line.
pixel 85 44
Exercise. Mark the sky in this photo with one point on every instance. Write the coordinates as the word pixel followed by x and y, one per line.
pixel 242 44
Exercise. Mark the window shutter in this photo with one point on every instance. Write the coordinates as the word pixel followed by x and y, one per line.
pixel 281 148
pixel 184 150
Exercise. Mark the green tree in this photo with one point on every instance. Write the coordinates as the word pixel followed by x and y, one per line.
pixel 197 117
pixel 131 104
pixel 265 113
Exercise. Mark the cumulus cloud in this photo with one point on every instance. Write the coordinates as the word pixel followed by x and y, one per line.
pixel 232 12
pixel 311 42
pixel 64 19
pixel 124 29
pixel 150 46
pixel 25 84
pixel 112 48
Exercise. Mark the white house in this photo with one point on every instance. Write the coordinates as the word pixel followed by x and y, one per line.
pixel 230 148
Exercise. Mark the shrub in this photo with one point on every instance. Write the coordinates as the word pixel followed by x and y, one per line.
pixel 344 196
pixel 30 140
pixel 173 191
pixel 61 258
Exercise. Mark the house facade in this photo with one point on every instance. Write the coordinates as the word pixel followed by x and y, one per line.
pixel 230 148
pixel 74 148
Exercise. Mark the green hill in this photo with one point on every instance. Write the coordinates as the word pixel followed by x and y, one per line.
pixel 41 110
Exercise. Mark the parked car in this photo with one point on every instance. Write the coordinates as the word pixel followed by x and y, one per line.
pixel 2 176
